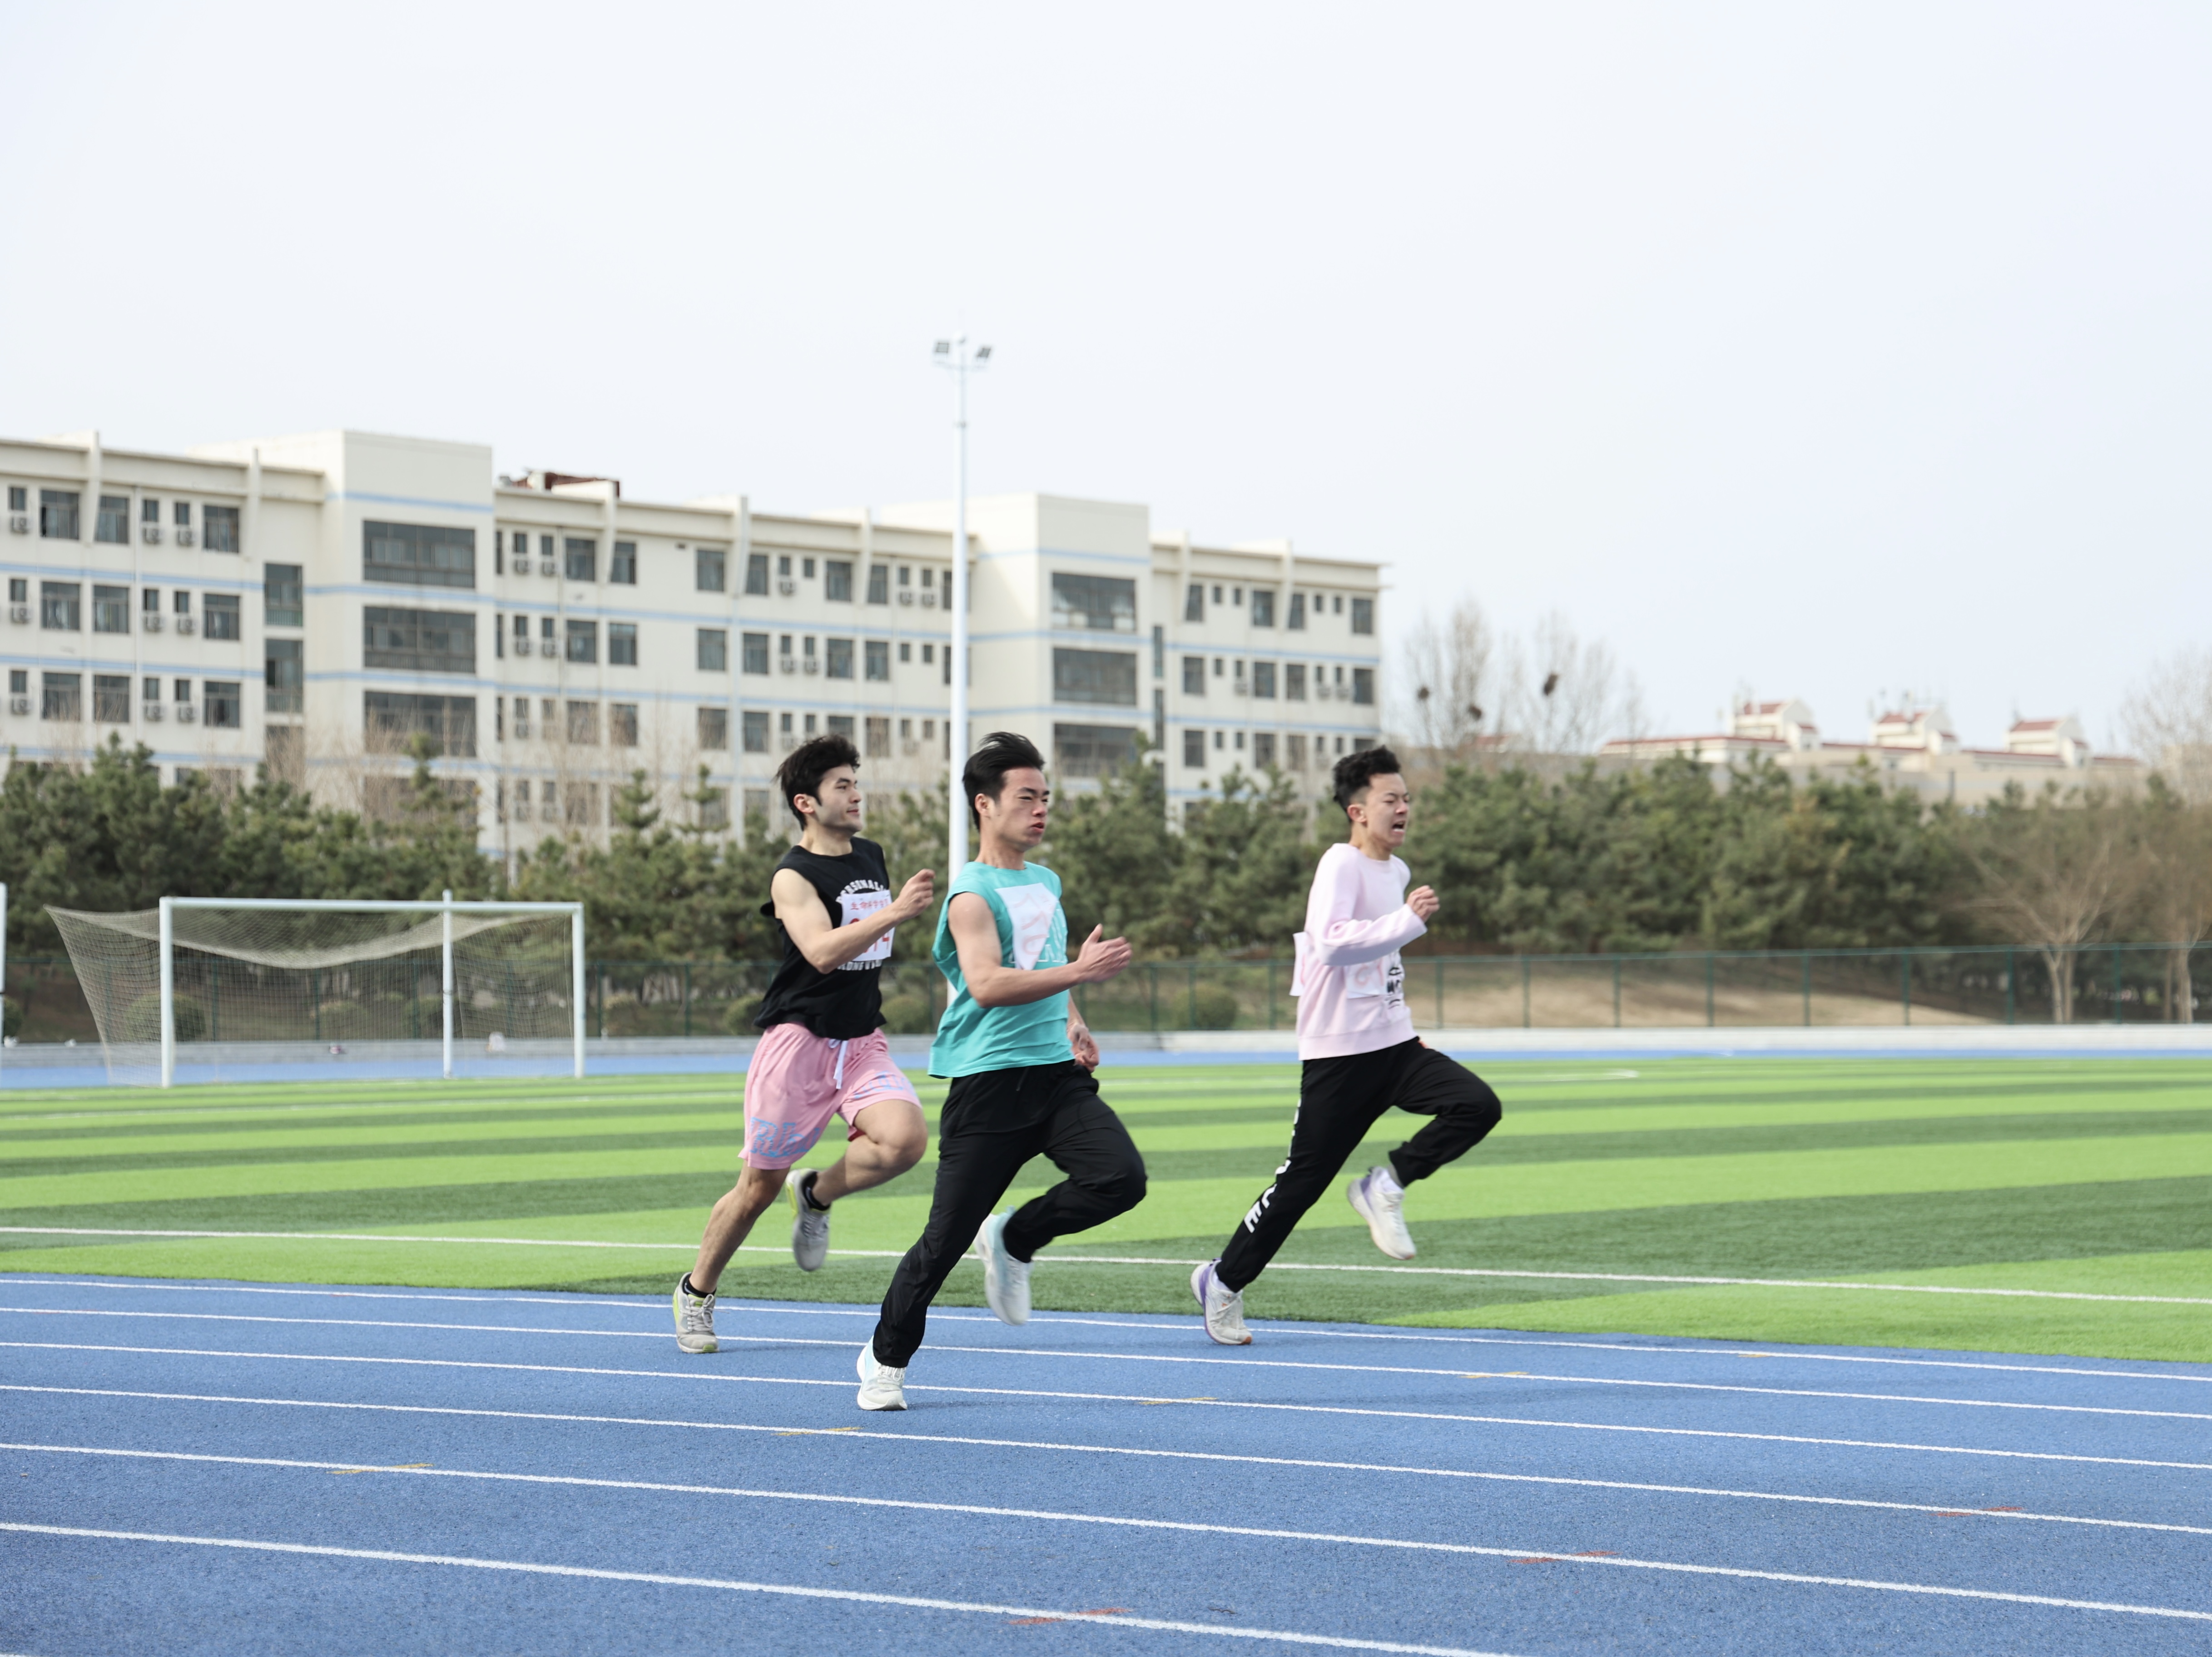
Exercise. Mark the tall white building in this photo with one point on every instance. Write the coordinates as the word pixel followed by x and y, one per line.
pixel 316 602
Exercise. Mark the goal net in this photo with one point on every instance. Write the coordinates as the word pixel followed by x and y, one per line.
pixel 202 990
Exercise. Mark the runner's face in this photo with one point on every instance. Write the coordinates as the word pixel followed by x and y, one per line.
pixel 1020 814
pixel 838 803
pixel 1386 809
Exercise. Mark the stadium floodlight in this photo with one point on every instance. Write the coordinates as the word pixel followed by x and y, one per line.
pixel 264 980
pixel 954 353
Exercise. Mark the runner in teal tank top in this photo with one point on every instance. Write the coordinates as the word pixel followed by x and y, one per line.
pixel 1021 1061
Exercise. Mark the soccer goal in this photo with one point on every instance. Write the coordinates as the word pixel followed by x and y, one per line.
pixel 219 989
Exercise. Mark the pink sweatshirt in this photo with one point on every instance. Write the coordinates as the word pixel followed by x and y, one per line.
pixel 1350 983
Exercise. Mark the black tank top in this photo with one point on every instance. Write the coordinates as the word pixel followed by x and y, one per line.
pixel 846 1004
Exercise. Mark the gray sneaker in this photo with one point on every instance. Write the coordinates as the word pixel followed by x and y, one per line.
pixel 882 1387
pixel 1378 1198
pixel 695 1319
pixel 1005 1279
pixel 1223 1308
pixel 810 1231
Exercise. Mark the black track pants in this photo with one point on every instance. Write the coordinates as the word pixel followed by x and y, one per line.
pixel 992 1123
pixel 1338 1100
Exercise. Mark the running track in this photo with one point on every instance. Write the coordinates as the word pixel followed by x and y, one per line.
pixel 228 1469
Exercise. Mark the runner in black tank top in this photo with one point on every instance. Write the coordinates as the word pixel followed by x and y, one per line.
pixel 821 1053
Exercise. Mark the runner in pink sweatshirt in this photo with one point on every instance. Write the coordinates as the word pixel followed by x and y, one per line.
pixel 1360 1054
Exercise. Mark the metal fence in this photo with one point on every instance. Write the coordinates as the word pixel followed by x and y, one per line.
pixel 2107 983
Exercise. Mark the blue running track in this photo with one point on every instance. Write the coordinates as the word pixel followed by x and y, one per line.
pixel 228 1469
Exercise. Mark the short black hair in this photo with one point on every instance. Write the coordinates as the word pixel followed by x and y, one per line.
pixel 1355 771
pixel 803 767
pixel 986 771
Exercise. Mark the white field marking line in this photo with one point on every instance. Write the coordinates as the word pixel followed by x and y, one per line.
pixel 1080 1355
pixel 789 1308
pixel 840 1434
pixel 1106 1398
pixel 660 1579
pixel 1928 1589
pixel 1147 1259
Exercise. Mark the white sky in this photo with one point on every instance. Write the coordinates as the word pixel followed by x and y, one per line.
pixel 1818 349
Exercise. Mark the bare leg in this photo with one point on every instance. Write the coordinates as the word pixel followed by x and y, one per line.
pixel 889 1138
pixel 733 1218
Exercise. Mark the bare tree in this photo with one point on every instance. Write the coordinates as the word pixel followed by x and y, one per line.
pixel 2172 888
pixel 2167 719
pixel 1567 694
pixel 1449 690
pixel 2052 870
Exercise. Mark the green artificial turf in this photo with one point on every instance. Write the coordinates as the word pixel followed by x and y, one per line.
pixel 2080 1178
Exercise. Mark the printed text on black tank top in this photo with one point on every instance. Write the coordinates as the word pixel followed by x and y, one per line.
pixel 858 900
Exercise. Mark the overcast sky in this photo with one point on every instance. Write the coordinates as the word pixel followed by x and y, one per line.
pixel 1812 349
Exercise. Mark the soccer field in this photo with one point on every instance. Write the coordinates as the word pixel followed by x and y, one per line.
pixel 2086 1184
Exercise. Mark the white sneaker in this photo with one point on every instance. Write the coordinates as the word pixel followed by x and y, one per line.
pixel 882 1387
pixel 1005 1279
pixel 1378 1197
pixel 810 1232
pixel 695 1319
pixel 1223 1308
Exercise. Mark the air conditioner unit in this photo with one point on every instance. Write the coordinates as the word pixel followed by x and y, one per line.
pixel 548 566
pixel 151 712
pixel 184 535
pixel 151 534
pixel 786 586
pixel 186 714
pixel 186 624
pixel 19 523
pixel 522 646
pixel 790 664
pixel 928 598
pixel 522 730
pixel 1243 688
pixel 906 595
pixel 20 613
pixel 813 665
pixel 150 621
pixel 19 704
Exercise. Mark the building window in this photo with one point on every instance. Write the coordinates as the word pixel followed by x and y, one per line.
pixel 61 606
pixel 219 531
pixel 837 579
pixel 1094 675
pixel 807 645
pixel 622 724
pixel 1263 678
pixel 877 652
pixel 1194 676
pixel 19 500
pixel 839 725
pixel 756 574
pixel 580 558
pixel 282 595
pixel 1363 615
pixel 413 555
pixel 545 555
pixel 1218 662
pixel 1263 749
pixel 419 640
pixel 879 583
pixel 180 514
pixel 579 804
pixel 1219 738
pixel 111 609
pixel 1092 750
pixel 879 737
pixel 1217 592
pixel 111 698
pixel 714 650
pixel 545 635
pixel 1194 750
pixel 621 568
pixel 1363 684
pixel 1263 607
pixel 18 589
pixel 219 702
pixel 1095 604
pixel 219 615
pixel 1194 602
pixel 181 691
pixel 1159 652
pixel 1236 597
pixel 755 648
pixel 714 808
pixel 929 576
pixel 283 676
pixel 499 567
pixel 783 563
pixel 112 522
pixel 149 509
pixel 583 722
pixel 906 575
pixel 1297 615
pixel 1297 744
pixel 714 728
pixel 522 635
pixel 806 569
pixel 149 688
pixel 756 731
pixel 622 644
pixel 583 640
pixel 906 650
pixel 57 519
pixel 1294 682
pixel 840 654
pixel 63 697
pixel 709 570
pixel 928 654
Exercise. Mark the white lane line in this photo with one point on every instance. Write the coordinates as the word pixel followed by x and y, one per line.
pixel 1130 1357
pixel 1531 1556
pixel 1285 1328
pixel 661 1579
pixel 1148 1260
pixel 1105 1398
pixel 842 1434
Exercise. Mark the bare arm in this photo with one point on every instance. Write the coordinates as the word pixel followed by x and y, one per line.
pixel 827 947
pixel 993 984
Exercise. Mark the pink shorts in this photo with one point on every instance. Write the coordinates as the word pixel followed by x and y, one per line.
pixel 798 1080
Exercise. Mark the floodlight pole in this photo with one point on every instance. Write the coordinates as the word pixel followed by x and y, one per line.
pixel 953 354
pixel 168 993
pixel 446 960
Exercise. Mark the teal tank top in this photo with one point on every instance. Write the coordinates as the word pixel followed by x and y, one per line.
pixel 1032 933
